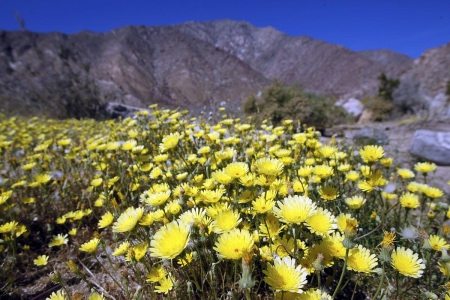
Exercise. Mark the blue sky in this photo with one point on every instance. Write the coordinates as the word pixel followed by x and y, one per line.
pixel 408 27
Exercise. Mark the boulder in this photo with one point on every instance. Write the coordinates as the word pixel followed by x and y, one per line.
pixel 116 110
pixel 352 106
pixel 432 145
pixel 368 135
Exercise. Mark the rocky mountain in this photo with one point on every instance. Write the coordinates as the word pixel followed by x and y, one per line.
pixel 74 75
pixel 426 85
pixel 196 65
pixel 315 65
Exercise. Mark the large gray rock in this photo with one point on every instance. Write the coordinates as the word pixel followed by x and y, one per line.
pixel 432 145
pixel 352 106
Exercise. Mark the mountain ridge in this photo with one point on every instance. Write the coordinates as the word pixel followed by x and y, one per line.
pixel 195 65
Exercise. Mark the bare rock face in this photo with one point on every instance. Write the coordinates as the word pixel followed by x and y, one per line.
pixel 352 106
pixel 432 145
pixel 423 87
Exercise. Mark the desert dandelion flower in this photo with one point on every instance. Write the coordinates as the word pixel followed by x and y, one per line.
pixel 106 220
pixel 41 260
pixel 269 166
pixel 234 244
pixel 285 276
pixel 321 222
pixel 294 209
pixel 360 260
pixel 128 219
pixel 407 263
pixel 90 246
pixel 170 240
pixel 371 153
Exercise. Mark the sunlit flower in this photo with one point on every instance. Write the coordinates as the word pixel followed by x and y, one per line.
pixel 294 209
pixel 361 260
pixel 234 244
pixel 170 240
pixel 285 275
pixel 41 260
pixel 128 219
pixel 407 262
pixel 371 153
pixel 90 246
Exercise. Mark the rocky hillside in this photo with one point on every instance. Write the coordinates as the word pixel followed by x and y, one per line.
pixel 315 65
pixel 426 85
pixel 193 65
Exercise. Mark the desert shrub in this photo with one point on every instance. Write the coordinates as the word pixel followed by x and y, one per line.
pixel 380 108
pixel 279 102
pixel 387 86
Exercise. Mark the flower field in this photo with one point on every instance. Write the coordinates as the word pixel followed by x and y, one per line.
pixel 168 206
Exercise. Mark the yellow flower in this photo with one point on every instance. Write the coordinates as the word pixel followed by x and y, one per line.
pixel 388 239
pixel 236 169
pixel 284 275
pixel 122 249
pixel 5 196
pixel 226 220
pixel 187 259
pixel 41 260
pixel 212 196
pixel 170 240
pixel 432 192
pixel 264 202
pixel 90 246
pixel 347 224
pixel 294 209
pixel 371 153
pixel 424 167
pixel 323 171
pixel 138 251
pixel 59 295
pixel 9 227
pixel 156 274
pixel 355 202
pixel 169 142
pixel 321 222
pixel 58 240
pixel 409 200
pixel 407 263
pixel 269 166
pixel 328 193
pixel 334 244
pixel 106 220
pixel 96 296
pixel 437 243
pixel 234 244
pixel 405 173
pixel 270 227
pixel 360 260
pixel 96 182
pixel 165 285
pixel 128 219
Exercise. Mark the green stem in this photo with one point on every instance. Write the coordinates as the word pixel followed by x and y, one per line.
pixel 344 267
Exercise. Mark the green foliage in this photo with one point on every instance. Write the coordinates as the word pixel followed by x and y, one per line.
pixel 279 102
pixel 387 86
pixel 381 108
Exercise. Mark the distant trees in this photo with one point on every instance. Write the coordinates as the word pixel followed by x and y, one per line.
pixel 387 86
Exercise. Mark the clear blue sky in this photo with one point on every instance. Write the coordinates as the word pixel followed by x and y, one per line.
pixel 407 26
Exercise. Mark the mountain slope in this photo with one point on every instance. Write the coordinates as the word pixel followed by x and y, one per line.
pixel 56 73
pixel 315 65
pixel 192 65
